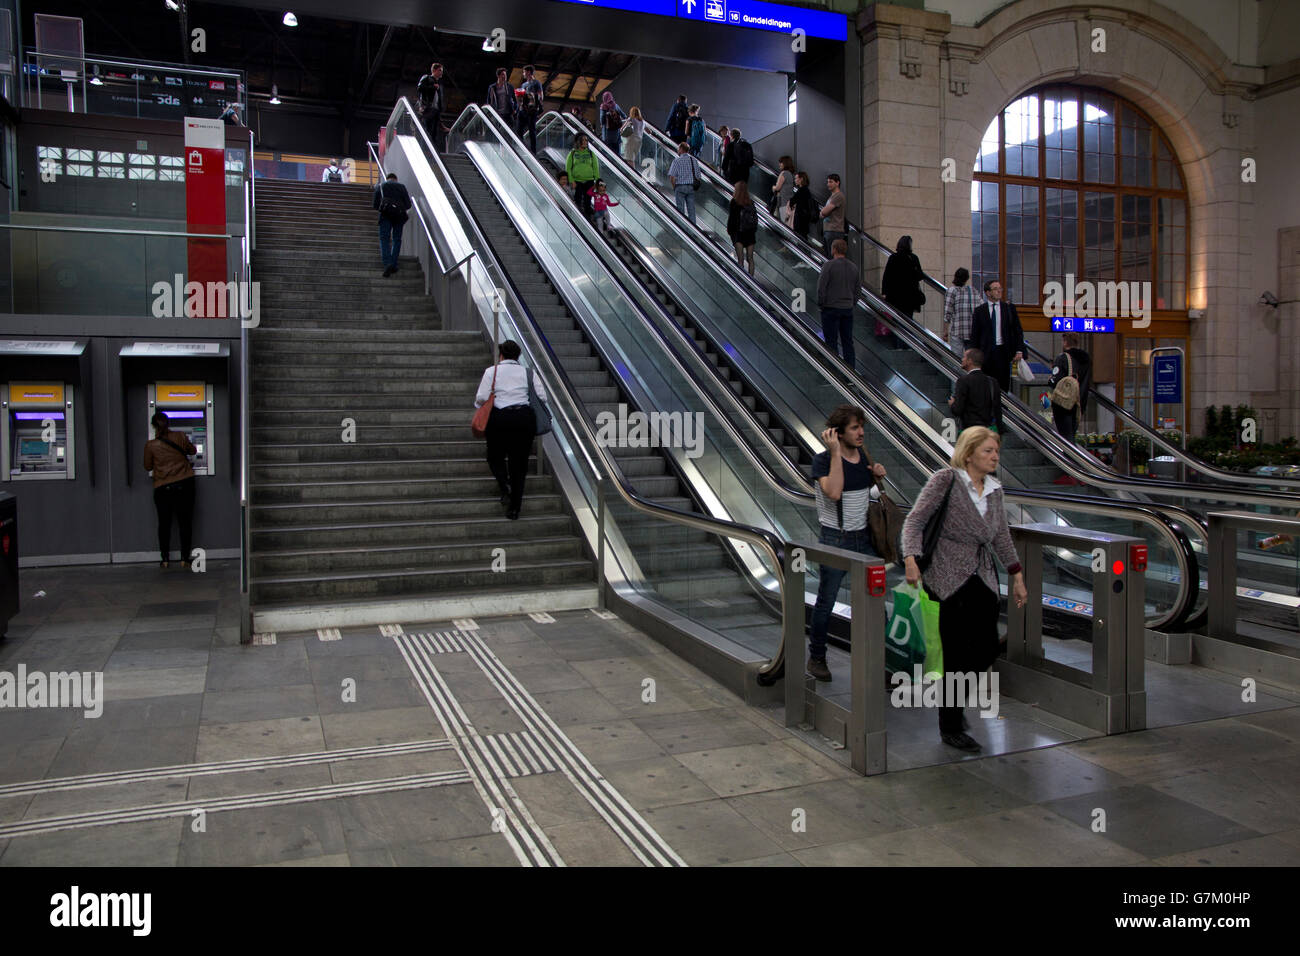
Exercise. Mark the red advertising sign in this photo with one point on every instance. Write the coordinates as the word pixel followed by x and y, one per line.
pixel 205 197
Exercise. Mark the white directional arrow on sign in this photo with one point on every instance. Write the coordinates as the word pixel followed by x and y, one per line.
pixel 689 5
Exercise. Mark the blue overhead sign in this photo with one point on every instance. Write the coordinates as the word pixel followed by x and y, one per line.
pixel 775 17
pixel 1070 323
pixel 1167 371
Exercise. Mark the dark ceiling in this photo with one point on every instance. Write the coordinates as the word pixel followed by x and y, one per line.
pixel 350 70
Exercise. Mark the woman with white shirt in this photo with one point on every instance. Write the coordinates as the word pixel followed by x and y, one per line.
pixel 633 131
pixel 974 529
pixel 511 425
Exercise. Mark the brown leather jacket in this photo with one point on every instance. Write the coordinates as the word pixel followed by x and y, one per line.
pixel 166 463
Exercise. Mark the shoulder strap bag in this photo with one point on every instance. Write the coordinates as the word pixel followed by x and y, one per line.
pixel 168 441
pixel 478 425
pixel 541 414
pixel 934 528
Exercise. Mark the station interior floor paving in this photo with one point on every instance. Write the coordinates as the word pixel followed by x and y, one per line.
pixel 526 742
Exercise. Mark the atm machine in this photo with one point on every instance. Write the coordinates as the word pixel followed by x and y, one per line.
pixel 37 434
pixel 188 407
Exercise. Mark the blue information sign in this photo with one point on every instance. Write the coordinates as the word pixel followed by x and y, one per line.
pixel 1070 323
pixel 753 14
pixel 1168 372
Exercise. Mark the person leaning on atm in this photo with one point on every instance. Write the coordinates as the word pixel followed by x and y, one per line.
pixel 167 456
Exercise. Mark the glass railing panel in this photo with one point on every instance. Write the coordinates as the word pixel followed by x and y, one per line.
pixel 117 87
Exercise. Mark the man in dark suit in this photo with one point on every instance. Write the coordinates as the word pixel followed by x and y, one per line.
pixel 976 398
pixel 995 330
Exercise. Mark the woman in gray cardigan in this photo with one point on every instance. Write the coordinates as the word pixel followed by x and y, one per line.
pixel 961 574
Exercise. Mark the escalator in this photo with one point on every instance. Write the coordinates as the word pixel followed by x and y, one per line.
pixel 783 362
pixel 921 376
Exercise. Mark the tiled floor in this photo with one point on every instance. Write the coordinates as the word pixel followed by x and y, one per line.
pixel 580 741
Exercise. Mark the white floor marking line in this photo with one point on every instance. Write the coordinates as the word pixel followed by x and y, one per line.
pixel 585 779
pixel 631 827
pixel 534 832
pixel 112 778
pixel 529 843
pixel 535 751
pixel 603 614
pixel 329 634
pixel 541 617
pixel 390 630
pixel 511 828
pixel 160 811
pixel 511 768
pixel 465 624
pixel 518 756
pixel 266 637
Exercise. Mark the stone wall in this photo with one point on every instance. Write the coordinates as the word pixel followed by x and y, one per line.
pixel 931 88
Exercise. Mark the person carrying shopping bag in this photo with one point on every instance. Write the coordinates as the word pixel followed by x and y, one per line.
pixel 956 526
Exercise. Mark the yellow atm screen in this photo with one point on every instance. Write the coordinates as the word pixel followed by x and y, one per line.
pixel 174 394
pixel 35 394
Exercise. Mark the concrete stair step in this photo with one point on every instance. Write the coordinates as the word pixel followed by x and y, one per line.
pixel 376 455
pixel 412 557
pixel 470 479
pixel 365 585
pixel 396 469
pixel 529 526
pixel 360 512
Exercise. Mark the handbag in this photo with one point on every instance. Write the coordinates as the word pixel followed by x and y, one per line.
pixel 478 424
pixel 695 171
pixel 934 529
pixel 885 521
pixel 1024 372
pixel 541 414
pixel 905 631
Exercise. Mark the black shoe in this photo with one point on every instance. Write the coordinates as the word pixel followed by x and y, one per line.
pixel 513 514
pixel 961 742
pixel 388 270
pixel 505 499
pixel 965 724
pixel 818 669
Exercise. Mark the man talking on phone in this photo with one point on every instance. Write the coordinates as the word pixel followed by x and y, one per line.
pixel 846 485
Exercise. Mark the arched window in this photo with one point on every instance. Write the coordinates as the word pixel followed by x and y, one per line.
pixel 1078 181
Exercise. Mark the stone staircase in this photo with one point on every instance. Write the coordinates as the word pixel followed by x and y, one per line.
pixel 407 511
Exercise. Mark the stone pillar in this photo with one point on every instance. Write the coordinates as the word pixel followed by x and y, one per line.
pixel 902 140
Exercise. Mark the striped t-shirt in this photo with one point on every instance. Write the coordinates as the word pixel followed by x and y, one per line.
pixel 859 489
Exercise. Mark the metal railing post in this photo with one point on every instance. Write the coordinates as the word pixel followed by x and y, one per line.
pixel 866 730
pixel 796 649
pixel 600 543
pixel 1223 577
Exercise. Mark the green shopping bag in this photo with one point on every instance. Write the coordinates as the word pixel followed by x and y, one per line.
pixel 933 667
pixel 905 630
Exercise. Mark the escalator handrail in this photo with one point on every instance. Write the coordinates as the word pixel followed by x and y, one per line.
pixel 543 357
pixel 795 493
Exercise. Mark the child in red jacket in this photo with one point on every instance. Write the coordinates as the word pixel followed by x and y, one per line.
pixel 601 202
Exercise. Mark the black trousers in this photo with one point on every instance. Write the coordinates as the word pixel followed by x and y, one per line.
pixel 968 628
pixel 527 121
pixel 581 198
pixel 1067 422
pixel 510 434
pixel 999 366
pixel 175 499
pixel 433 126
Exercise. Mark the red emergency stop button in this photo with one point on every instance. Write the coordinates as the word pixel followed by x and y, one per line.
pixel 876 580
pixel 1137 556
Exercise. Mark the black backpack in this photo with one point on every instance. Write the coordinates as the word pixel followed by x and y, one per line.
pixel 391 209
pixel 748 218
pixel 678 124
pixel 336 176
pixel 742 155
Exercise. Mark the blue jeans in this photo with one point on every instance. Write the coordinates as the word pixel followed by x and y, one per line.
pixel 838 323
pixel 390 242
pixel 828 585
pixel 686 201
